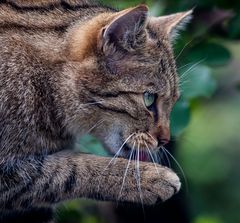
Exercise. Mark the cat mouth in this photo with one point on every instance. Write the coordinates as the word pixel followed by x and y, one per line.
pixel 146 155
pixel 135 154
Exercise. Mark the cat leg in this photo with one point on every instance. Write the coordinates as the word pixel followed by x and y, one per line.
pixel 39 181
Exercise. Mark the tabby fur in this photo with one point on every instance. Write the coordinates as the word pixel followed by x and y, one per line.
pixel 71 67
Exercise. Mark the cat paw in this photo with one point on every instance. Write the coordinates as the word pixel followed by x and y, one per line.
pixel 150 184
pixel 159 183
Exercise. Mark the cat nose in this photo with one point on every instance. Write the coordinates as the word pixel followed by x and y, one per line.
pixel 162 134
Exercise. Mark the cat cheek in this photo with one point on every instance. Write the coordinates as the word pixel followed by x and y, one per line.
pixel 112 68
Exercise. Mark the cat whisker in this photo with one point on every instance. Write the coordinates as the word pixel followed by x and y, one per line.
pixel 92 103
pixel 149 152
pixel 138 177
pixel 186 74
pixel 178 165
pixel 188 43
pixel 183 79
pixel 162 158
pixel 189 70
pixel 179 68
pixel 89 131
pixel 96 125
pixel 152 138
pixel 169 164
pixel 157 158
pixel 125 174
pixel 166 155
pixel 184 82
pixel 114 157
pixel 117 153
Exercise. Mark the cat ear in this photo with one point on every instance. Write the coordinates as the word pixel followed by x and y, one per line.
pixel 124 30
pixel 170 25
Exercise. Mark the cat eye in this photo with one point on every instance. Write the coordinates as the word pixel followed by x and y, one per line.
pixel 149 99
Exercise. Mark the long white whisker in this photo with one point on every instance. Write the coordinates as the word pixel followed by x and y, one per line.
pixel 152 138
pixel 179 68
pixel 183 77
pixel 183 49
pixel 184 83
pixel 97 124
pixel 166 155
pixel 117 153
pixel 115 156
pixel 157 158
pixel 92 103
pixel 190 69
pixel 149 152
pixel 125 174
pixel 139 178
pixel 179 166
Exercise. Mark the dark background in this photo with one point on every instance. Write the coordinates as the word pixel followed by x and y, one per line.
pixel 205 123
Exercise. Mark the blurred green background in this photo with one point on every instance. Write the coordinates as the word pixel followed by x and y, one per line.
pixel 205 122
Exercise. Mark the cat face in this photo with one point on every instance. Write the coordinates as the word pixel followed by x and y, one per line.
pixel 132 79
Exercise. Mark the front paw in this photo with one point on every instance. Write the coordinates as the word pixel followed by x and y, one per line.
pixel 148 184
pixel 159 183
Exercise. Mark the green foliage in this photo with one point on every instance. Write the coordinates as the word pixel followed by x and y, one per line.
pixel 199 82
pixel 233 28
pixel 212 54
pixel 195 81
pixel 78 212
pixel 238 86
pixel 180 117
pixel 89 144
pixel 209 153
pixel 208 219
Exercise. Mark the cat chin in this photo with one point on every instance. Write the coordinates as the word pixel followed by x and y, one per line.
pixel 113 142
pixel 118 147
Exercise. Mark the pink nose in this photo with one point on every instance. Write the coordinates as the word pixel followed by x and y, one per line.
pixel 162 134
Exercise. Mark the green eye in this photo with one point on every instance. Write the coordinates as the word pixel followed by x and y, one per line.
pixel 149 99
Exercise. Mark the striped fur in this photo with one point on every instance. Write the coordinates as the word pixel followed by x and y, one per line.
pixel 46 14
pixel 66 66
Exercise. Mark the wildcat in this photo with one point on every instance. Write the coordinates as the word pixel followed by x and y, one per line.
pixel 69 67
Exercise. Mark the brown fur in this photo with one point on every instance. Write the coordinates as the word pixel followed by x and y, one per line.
pixel 66 66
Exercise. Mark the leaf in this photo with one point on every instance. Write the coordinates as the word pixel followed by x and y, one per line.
pixel 238 86
pixel 234 28
pixel 197 82
pixel 180 117
pixel 156 9
pixel 212 54
pixel 89 144
pixel 208 219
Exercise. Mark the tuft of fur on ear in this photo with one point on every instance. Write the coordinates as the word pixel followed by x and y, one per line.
pixel 170 25
pixel 112 33
pixel 124 31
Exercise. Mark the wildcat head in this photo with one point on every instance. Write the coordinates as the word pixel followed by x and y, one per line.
pixel 129 77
